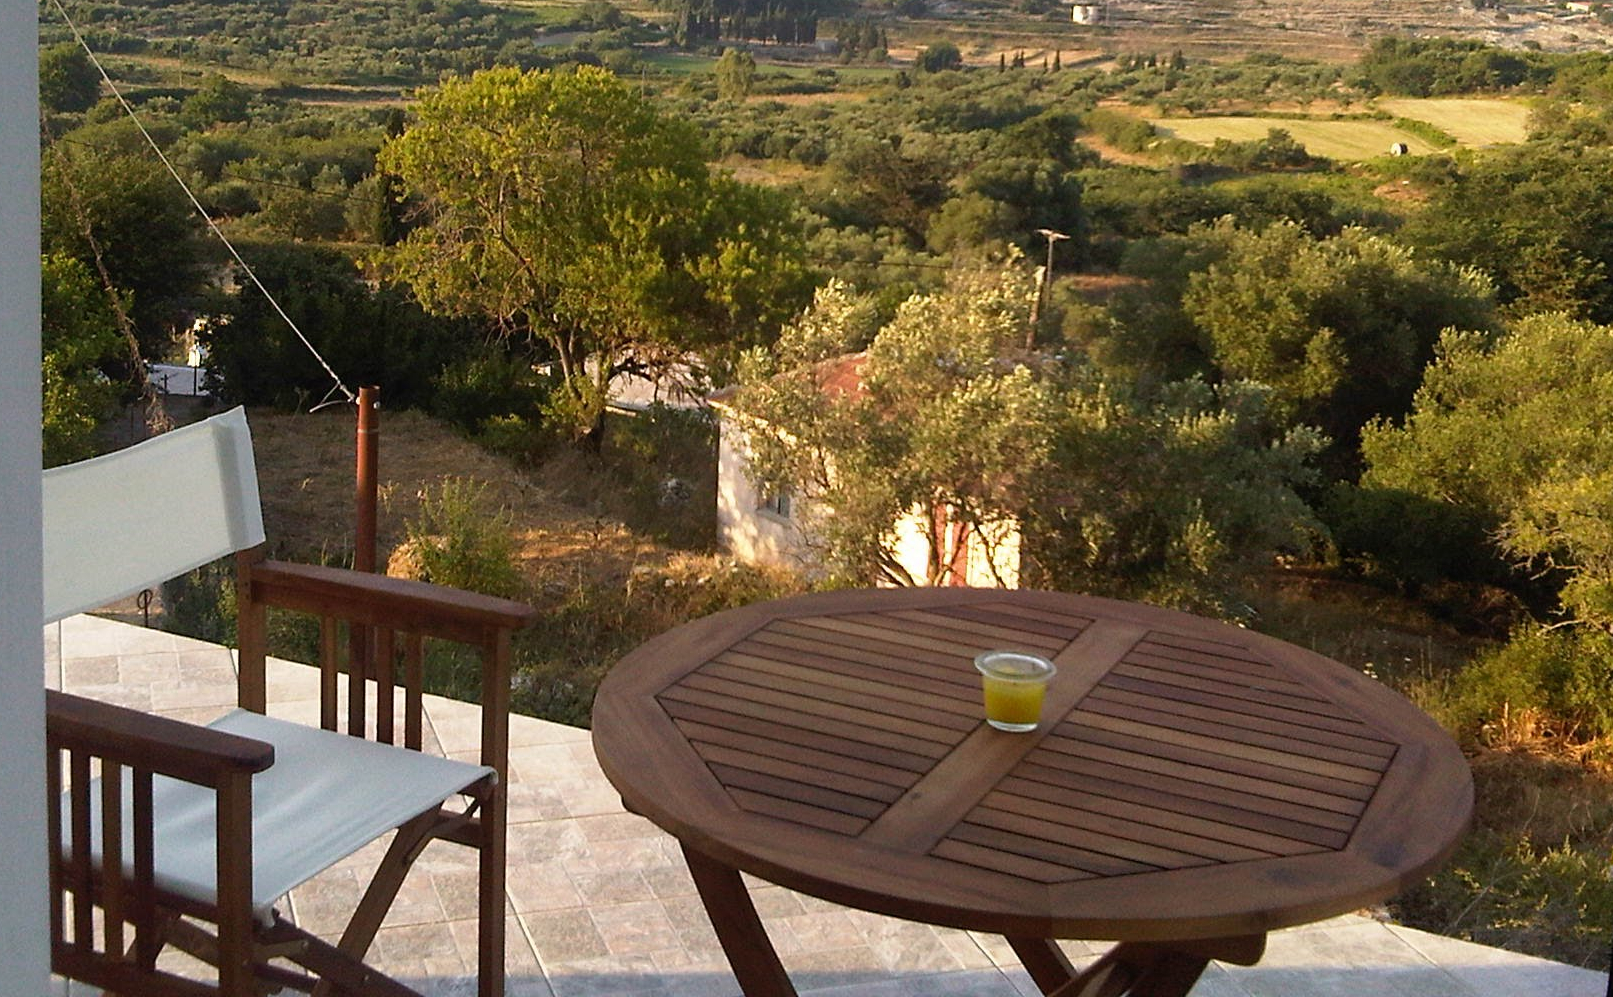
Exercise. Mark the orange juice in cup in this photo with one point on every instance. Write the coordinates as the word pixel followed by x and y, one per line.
pixel 1013 684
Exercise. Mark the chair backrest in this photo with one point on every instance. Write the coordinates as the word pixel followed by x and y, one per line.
pixel 125 521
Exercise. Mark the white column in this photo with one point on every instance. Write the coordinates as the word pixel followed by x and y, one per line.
pixel 24 938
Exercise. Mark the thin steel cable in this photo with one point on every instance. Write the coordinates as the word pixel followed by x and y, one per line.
pixel 245 267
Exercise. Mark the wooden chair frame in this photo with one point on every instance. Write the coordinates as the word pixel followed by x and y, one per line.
pixel 388 619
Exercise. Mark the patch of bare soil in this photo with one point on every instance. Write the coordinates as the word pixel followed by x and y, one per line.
pixel 1111 154
pixel 798 99
pixel 306 477
pixel 1401 192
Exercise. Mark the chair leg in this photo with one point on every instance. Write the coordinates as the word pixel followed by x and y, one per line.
pixel 383 890
pixel 335 968
pixel 490 893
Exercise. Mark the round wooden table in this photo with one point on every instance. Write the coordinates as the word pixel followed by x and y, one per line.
pixel 1192 785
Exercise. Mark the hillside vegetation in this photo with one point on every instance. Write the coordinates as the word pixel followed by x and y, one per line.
pixel 1270 372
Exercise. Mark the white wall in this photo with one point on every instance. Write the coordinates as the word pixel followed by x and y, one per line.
pixel 747 531
pixel 24 945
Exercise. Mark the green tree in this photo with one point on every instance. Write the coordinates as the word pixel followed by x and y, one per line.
pixel 369 336
pixel 1339 328
pixel 121 210
pixel 940 57
pixel 950 422
pixel 218 99
pixel 736 74
pixel 565 207
pixel 1512 430
pixel 936 424
pixel 1538 219
pixel 68 81
pixel 79 335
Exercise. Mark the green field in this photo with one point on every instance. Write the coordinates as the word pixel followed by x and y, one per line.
pixel 1343 140
pixel 1470 122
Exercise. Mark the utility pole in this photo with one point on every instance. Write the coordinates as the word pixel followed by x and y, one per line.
pixel 1042 285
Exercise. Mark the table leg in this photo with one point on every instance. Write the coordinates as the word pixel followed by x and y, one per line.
pixel 1044 960
pixel 1133 969
pixel 744 940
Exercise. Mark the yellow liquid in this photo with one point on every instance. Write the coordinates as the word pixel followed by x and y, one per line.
pixel 1013 702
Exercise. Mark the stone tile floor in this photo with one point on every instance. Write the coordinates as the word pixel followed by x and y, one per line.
pixel 602 904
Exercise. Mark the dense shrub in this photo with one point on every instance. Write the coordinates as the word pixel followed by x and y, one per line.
pixel 460 542
pixel 485 385
pixel 1408 538
pixel 368 337
pixel 1543 683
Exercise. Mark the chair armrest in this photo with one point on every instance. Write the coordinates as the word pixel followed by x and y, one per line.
pixel 379 600
pixel 173 748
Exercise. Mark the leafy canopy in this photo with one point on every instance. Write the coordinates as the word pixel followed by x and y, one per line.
pixel 1515 429
pixel 79 334
pixel 1339 328
pixel 566 208
pixel 954 424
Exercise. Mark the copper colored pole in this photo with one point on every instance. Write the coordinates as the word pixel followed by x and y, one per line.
pixel 369 435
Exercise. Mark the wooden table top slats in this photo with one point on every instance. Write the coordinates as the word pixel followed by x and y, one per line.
pixel 1071 752
pixel 893 674
pixel 1118 830
pixel 882 634
pixel 1200 824
pixel 1238 809
pixel 1239 731
pixel 1206 681
pixel 835 743
pixel 996 860
pixel 1168 692
pixel 1184 712
pixel 834 700
pixel 954 630
pixel 880 718
pixel 708 743
pixel 798 791
pixel 1007 832
pixel 804 744
pixel 1262 682
pixel 883 652
pixel 1073 621
pixel 851 731
pixel 845 679
pixel 796 812
pixel 1102 853
pixel 1136 748
pixel 1065 628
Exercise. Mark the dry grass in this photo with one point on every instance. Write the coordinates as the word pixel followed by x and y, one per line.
pixel 1348 141
pixel 306 472
pixel 1473 122
pixel 1381 634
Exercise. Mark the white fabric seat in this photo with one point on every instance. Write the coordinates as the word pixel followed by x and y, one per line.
pixel 326 796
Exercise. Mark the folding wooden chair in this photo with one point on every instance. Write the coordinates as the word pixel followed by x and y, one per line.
pixel 167 833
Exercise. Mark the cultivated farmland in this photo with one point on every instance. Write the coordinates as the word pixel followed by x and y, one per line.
pixel 1342 140
pixel 1471 122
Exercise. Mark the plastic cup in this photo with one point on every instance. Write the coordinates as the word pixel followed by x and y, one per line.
pixel 1013 684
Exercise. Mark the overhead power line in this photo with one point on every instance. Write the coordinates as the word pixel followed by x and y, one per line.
pixel 213 226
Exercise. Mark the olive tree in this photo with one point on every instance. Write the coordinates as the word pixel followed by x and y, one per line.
pixel 949 420
pixel 567 208
pixel 1513 430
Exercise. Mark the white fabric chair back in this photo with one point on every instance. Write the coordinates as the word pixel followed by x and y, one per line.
pixel 127 520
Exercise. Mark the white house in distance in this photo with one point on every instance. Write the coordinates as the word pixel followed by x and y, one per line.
pixel 1087 13
pixel 773 529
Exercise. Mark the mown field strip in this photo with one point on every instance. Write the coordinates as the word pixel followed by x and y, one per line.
pixel 1470 121
pixel 1346 140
